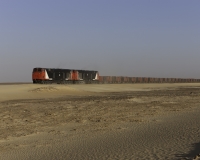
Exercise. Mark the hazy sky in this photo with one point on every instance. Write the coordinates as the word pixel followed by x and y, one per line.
pixel 149 38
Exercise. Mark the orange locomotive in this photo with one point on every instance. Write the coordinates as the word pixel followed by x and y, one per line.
pixel 52 75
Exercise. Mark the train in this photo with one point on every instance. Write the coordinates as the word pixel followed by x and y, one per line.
pixel 73 76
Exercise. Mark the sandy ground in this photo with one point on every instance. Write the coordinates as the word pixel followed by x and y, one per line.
pixel 105 121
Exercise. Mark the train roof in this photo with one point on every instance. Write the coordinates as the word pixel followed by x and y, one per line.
pixel 64 69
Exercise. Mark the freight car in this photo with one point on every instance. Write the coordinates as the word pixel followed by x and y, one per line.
pixel 113 79
pixel 64 76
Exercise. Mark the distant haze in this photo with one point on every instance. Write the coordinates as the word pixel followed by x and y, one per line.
pixel 116 37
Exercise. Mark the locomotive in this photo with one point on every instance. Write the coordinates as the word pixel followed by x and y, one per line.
pixel 64 76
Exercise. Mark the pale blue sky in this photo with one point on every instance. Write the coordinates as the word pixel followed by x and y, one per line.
pixel 148 38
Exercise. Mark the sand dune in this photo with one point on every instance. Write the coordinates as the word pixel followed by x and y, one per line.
pixel 124 121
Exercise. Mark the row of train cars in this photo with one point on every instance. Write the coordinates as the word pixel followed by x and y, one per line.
pixel 71 76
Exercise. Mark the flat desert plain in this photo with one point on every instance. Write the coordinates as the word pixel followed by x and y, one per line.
pixel 100 122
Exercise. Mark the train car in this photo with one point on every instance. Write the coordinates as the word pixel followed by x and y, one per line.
pixel 52 75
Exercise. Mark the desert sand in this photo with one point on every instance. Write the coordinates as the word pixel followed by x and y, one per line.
pixel 100 121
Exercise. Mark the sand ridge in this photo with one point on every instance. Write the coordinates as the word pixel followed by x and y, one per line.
pixel 44 89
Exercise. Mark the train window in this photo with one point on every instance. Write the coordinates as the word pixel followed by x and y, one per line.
pixel 39 70
pixel 35 70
